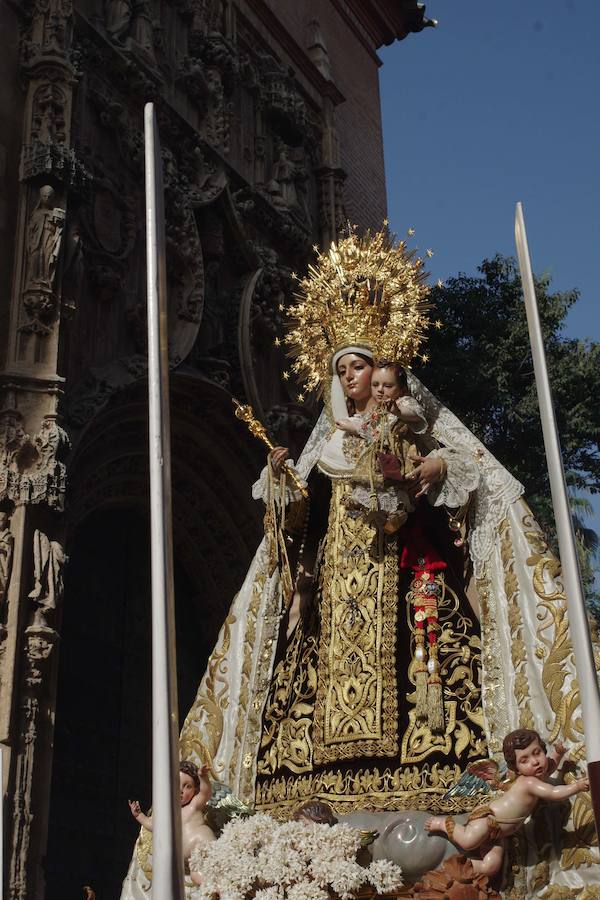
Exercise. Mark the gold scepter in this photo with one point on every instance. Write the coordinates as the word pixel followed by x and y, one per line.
pixel 246 414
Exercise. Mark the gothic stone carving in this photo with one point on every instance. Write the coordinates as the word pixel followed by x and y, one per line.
pixel 128 23
pixel 44 237
pixel 7 543
pixel 281 99
pixel 33 471
pixel 48 561
pixel 39 656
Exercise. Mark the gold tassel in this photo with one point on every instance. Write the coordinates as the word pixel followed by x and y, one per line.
pixel 421 701
pixel 435 705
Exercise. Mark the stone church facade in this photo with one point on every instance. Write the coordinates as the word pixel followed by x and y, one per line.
pixel 270 126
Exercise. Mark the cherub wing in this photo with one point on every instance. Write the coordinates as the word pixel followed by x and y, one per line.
pixel 483 776
pixel 224 805
pixel 219 792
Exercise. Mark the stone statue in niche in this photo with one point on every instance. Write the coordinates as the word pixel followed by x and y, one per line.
pixel 44 237
pixel 130 19
pixel 282 187
pixel 48 119
pixel 48 562
pixel 44 234
pixel 142 31
pixel 73 269
pixel 117 18
pixel 7 543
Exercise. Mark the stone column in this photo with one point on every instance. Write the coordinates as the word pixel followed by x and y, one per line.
pixel 33 445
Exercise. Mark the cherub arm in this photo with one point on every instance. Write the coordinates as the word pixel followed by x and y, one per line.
pixel 136 811
pixel 555 757
pixel 554 792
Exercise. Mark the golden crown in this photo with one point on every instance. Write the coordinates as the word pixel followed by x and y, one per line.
pixel 364 290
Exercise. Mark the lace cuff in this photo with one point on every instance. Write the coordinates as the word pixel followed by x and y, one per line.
pixel 462 478
pixel 260 488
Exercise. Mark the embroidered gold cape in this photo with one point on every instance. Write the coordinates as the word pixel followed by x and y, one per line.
pixel 527 677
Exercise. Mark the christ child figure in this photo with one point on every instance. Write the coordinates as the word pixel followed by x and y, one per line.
pixel 487 826
pixel 195 792
pixel 389 397
pixel 393 429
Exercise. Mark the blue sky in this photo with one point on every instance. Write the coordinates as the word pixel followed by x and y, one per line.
pixel 498 104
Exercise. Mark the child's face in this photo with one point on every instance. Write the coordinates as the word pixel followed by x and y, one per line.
pixel 385 385
pixel 187 788
pixel 532 760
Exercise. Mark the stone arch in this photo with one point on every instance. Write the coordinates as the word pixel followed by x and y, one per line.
pixel 104 669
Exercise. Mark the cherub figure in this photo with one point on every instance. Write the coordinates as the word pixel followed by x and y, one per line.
pixel 315 812
pixel 196 791
pixel 487 826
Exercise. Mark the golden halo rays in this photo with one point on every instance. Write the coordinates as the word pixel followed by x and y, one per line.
pixel 363 290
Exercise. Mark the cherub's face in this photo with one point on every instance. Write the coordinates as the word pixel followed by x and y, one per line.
pixel 187 788
pixel 532 760
pixel 385 384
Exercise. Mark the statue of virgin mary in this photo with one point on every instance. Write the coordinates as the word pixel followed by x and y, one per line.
pixel 365 667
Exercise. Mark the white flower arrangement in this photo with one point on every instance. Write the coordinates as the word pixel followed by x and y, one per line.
pixel 259 858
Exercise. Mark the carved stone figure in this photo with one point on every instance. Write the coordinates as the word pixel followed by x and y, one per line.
pixel 33 470
pixel 43 240
pixel 7 543
pixel 48 561
pixel 44 236
pixel 52 443
pixel 117 18
pixel 12 440
pixel 143 29
pixel 282 186
pixel 48 122
pixel 74 268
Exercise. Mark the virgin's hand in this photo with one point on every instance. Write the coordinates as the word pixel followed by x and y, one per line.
pixel 135 808
pixel 277 458
pixel 428 472
pixel 346 425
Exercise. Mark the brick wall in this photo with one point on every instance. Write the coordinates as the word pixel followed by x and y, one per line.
pixel 355 72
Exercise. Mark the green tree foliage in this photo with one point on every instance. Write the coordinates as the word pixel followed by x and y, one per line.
pixel 587 549
pixel 481 367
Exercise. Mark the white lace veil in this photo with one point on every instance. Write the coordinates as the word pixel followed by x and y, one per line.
pixel 497 488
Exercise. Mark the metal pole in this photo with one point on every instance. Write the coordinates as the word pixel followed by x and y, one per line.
pixel 2 823
pixel 571 575
pixel 167 858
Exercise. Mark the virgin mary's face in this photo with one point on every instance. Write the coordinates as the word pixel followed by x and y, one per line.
pixel 355 376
